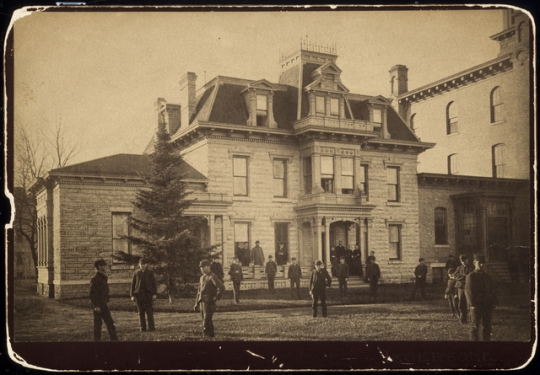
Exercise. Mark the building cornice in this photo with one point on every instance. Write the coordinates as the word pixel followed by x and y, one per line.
pixel 435 179
pixel 466 77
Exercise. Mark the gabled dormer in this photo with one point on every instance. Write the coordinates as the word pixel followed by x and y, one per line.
pixel 378 114
pixel 259 99
pixel 327 93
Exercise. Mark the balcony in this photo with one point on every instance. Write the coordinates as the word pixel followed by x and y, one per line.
pixel 333 123
pixel 331 199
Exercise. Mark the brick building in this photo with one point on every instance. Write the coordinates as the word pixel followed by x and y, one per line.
pixel 300 164
pixel 475 184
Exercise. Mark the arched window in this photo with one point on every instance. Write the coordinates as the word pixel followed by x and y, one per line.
pixel 411 121
pixel 498 160
pixel 453 164
pixel 392 83
pixel 496 105
pixel 441 227
pixel 451 118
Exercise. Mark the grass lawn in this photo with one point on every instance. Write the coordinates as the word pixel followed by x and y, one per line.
pixel 263 317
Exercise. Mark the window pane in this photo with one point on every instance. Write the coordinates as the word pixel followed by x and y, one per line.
pixel 240 166
pixel 120 245
pixel 240 186
pixel 261 102
pixel 279 169
pixel 279 188
pixel 334 106
pixel 241 232
pixel 327 165
pixel 377 116
pixel 120 224
pixel 319 104
pixel 347 166
pixel 392 193
pixel 362 176
pixel 391 173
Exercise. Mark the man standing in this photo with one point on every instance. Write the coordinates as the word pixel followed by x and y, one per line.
pixel 480 292
pixel 236 276
pixel 320 279
pixel 420 273
pixel 210 291
pixel 144 290
pixel 217 269
pixel 257 255
pixel 343 276
pixel 295 274
pixel 281 254
pixel 271 269
pixel 368 260
pixel 373 273
pixel 340 250
pixel 460 275
pixel 357 261
pixel 99 297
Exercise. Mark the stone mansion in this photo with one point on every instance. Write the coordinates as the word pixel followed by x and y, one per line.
pixel 303 163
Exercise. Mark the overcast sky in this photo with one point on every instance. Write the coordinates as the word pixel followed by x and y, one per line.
pixel 101 73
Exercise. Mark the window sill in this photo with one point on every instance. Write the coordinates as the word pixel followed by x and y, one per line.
pixel 498 122
pixel 441 246
pixel 395 204
pixel 242 199
pixel 452 134
pixel 396 261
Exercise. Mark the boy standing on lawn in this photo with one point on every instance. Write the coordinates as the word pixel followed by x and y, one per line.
pixel 236 276
pixel 144 290
pixel 295 274
pixel 99 296
pixel 320 279
pixel 343 276
pixel 450 293
pixel 373 273
pixel 210 291
pixel 270 270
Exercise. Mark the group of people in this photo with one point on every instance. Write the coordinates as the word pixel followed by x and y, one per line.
pixel 353 258
pixel 255 257
pixel 471 294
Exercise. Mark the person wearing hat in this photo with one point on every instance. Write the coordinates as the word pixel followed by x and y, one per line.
pixel 217 269
pixel 295 274
pixel 99 297
pixel 235 271
pixel 450 293
pixel 461 279
pixel 373 274
pixel 318 282
pixel 270 270
pixel 420 273
pixel 144 290
pixel 210 291
pixel 343 276
pixel 257 255
pixel 482 298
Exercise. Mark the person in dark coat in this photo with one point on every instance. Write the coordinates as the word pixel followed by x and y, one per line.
pixel 270 270
pixel 295 274
pixel 460 275
pixel 373 273
pixel 450 293
pixel 319 281
pixel 482 298
pixel 451 262
pixel 368 260
pixel 334 261
pixel 236 276
pixel 281 254
pixel 257 255
pixel 356 267
pixel 420 273
pixel 343 276
pixel 217 269
pixel 144 290
pixel 210 291
pixel 340 250
pixel 99 297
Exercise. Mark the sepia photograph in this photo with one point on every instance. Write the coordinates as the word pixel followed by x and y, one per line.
pixel 270 188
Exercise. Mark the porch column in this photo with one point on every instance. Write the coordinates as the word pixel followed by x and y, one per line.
pixel 299 232
pixel 211 227
pixel 327 242
pixel 319 240
pixel 369 225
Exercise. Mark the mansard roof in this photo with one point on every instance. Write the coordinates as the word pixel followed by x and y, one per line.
pixel 128 165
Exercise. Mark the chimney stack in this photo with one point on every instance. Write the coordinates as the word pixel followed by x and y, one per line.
pixel 398 86
pixel 188 102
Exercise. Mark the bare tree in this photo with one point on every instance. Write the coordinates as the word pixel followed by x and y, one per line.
pixel 34 156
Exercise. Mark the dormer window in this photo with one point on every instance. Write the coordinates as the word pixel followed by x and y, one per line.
pixel 377 117
pixel 334 106
pixel 320 104
pixel 262 110
pixel 259 100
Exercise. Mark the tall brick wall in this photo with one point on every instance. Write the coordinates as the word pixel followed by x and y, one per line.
pixel 476 134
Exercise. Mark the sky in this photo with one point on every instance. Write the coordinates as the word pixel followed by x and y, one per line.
pixel 99 74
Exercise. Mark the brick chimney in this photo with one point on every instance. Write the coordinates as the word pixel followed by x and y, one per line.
pixel 188 102
pixel 398 86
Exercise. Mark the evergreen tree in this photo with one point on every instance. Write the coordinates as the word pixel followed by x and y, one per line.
pixel 166 237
